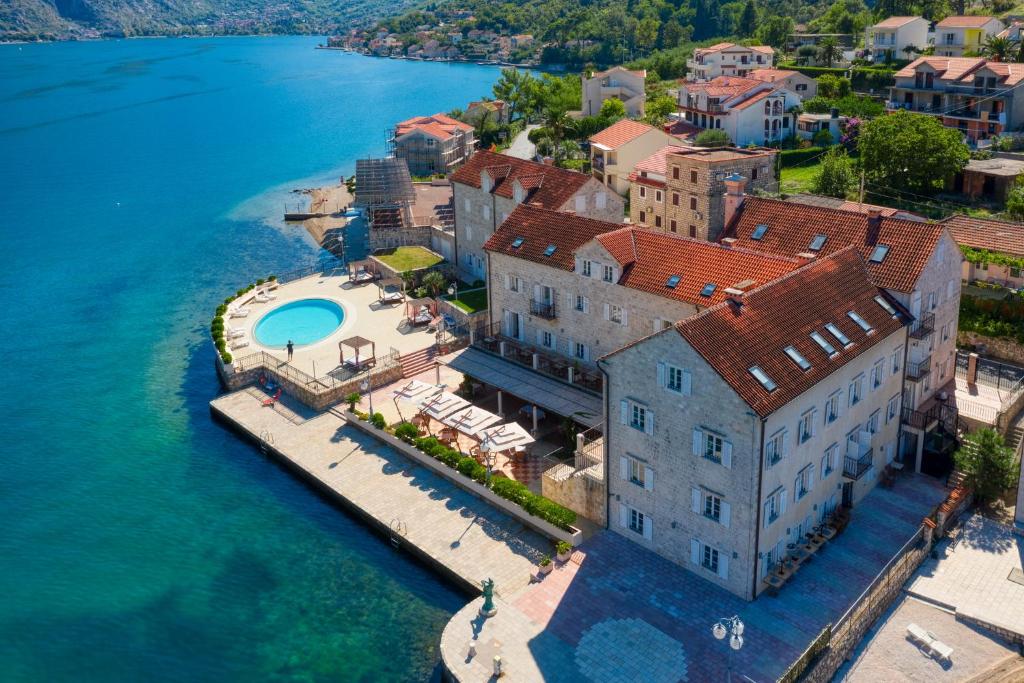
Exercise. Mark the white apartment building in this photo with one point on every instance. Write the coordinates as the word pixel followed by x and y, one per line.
pixel 916 263
pixel 618 82
pixel 891 38
pixel 735 431
pixel 616 150
pixel 746 109
pixel 959 34
pixel 490 186
pixel 728 59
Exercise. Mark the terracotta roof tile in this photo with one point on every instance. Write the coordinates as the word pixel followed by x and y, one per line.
pixel 540 228
pixel 982 233
pixel 792 226
pixel 723 86
pixel 620 132
pixel 771 75
pixel 649 259
pixel 440 126
pixel 553 189
pixel 949 68
pixel 963 22
pixel 894 22
pixel 658 162
pixel 784 313
pixel 754 99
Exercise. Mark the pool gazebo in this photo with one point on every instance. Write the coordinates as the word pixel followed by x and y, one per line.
pixel 357 343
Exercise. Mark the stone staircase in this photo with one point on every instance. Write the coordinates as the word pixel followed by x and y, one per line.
pixel 1015 434
pixel 418 361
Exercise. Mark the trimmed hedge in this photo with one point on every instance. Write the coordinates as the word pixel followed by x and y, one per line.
pixel 794 157
pixel 509 489
pixel 861 77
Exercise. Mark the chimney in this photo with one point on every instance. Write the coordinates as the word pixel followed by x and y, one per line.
pixel 874 225
pixel 736 303
pixel 734 184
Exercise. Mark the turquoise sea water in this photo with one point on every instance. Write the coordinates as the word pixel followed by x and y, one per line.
pixel 140 181
pixel 299 322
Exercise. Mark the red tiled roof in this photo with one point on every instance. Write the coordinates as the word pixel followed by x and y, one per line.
pixel 649 259
pixel 723 86
pixel 963 22
pixel 983 233
pixel 792 226
pixel 1011 72
pixel 439 126
pixel 658 162
pixel 541 228
pixel 552 186
pixel 894 22
pixel 682 129
pixel 754 99
pixel 770 75
pixel 784 313
pixel 620 132
pixel 721 47
pixel 949 68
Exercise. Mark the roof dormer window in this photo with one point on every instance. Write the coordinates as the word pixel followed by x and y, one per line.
pixel 550 250
pixel 838 334
pixel 759 231
pixel 518 242
pixel 879 254
pixel 762 377
pixel 818 242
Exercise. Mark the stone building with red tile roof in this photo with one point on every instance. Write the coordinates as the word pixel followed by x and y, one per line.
pixel 490 186
pixel 734 432
pixel 432 144
pixel 748 110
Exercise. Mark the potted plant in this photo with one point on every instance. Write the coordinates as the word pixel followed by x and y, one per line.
pixel 563 550
pixel 352 399
pixel 545 565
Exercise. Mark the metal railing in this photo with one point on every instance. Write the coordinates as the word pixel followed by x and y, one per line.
pixel 261 360
pixel 922 327
pixel 854 466
pixel 543 309
pixel 918 370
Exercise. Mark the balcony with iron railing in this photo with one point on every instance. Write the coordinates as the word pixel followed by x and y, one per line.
pixel 919 370
pixel 855 465
pixel 922 327
pixel 543 309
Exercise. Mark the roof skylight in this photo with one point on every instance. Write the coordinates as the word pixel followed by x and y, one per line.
pixel 880 300
pixel 673 281
pixel 759 231
pixel 763 378
pixel 798 358
pixel 878 255
pixel 838 334
pixel 518 242
pixel 818 242
pixel 709 289
pixel 550 250
pixel 861 322
pixel 829 350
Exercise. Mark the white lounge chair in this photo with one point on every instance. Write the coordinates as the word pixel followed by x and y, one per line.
pixel 232 333
pixel 240 344
pixel 919 636
pixel 266 293
pixel 238 313
pixel 261 299
pixel 944 652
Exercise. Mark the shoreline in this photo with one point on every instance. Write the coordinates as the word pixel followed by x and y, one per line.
pixel 331 200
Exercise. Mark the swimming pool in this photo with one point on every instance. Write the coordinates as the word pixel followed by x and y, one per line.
pixel 303 322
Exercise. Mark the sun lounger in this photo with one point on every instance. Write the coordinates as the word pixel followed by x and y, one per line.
pixel 232 333
pixel 238 313
pixel 261 298
pixel 241 344
pixel 391 297
pixel 271 400
pixel 944 652
pixel 266 294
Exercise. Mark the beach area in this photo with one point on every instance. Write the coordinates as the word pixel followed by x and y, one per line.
pixel 330 201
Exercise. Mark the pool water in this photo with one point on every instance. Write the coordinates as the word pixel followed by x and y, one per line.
pixel 303 322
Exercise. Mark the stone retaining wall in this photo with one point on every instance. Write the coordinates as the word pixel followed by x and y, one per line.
pixel 580 491
pixel 996 347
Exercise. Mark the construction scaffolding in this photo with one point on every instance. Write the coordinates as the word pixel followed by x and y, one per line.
pixel 384 189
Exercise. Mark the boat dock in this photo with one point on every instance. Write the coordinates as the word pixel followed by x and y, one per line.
pixel 457 534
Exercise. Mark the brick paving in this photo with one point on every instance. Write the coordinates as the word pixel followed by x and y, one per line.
pixel 972 577
pixel 610 579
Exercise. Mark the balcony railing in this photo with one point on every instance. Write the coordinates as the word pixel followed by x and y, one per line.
pixel 544 361
pixel 543 310
pixel 597 163
pixel 918 370
pixel 922 327
pixel 854 466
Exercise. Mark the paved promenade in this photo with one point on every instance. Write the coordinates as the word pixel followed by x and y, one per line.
pixel 457 530
pixel 617 612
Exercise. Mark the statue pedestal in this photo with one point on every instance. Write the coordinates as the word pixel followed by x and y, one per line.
pixel 488 612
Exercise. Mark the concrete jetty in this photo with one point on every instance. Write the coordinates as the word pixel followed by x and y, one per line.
pixel 452 531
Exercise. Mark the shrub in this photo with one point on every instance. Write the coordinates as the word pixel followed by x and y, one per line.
pixel 218 321
pixel 225 356
pixel 545 561
pixel 406 431
pixel 427 444
pixel 352 399
pixel 239 293
pixel 823 138
pixel 260 282
pixel 712 137
pixel 793 157
pixel 449 456
pixel 378 421
pixel 562 547
pixel 271 278
pixel 227 301
pixel 510 489
pixel 221 345
pixel 222 309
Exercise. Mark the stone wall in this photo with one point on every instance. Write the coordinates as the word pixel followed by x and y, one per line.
pixel 995 347
pixel 390 238
pixel 582 491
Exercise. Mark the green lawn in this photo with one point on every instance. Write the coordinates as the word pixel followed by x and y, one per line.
pixel 798 178
pixel 471 301
pixel 409 258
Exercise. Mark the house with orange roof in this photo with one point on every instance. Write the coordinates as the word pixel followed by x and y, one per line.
pixel 619 83
pixel 496 111
pixel 728 59
pixel 892 37
pixel 616 150
pixel 430 145
pixel 972 94
pixel 957 35
pixel 748 110
pixel 993 236
pixel 794 81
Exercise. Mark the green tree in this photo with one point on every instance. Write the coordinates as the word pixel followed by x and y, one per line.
pixel 836 177
pixel 805 53
pixel 908 151
pixel 647 33
pixel 748 20
pixel 774 30
pixel 833 87
pixel 612 110
pixel 518 90
pixel 987 463
pixel 829 50
pixel 434 282
pixel 1015 201
pixel 658 110
pixel 713 137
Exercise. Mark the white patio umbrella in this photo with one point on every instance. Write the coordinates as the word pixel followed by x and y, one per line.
pixel 471 420
pixel 442 405
pixel 504 437
pixel 414 391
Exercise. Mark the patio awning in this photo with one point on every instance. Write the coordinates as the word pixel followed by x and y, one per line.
pixel 414 391
pixel 547 393
pixel 471 421
pixel 442 405
pixel 504 437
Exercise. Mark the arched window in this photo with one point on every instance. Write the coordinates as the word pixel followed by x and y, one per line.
pixel 766 125
pixel 778 107
pixel 768 108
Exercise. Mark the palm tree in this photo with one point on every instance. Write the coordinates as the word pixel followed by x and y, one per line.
pixel 829 50
pixel 997 48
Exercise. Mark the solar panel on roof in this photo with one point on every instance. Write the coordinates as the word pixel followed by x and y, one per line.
pixel 673 281
pixel 878 255
pixel 709 289
pixel 759 231
pixel 818 242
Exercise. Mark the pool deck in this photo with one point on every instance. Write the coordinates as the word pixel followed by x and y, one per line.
pixel 364 316
pixel 451 530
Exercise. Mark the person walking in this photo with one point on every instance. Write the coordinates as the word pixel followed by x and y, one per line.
pixel 291 349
